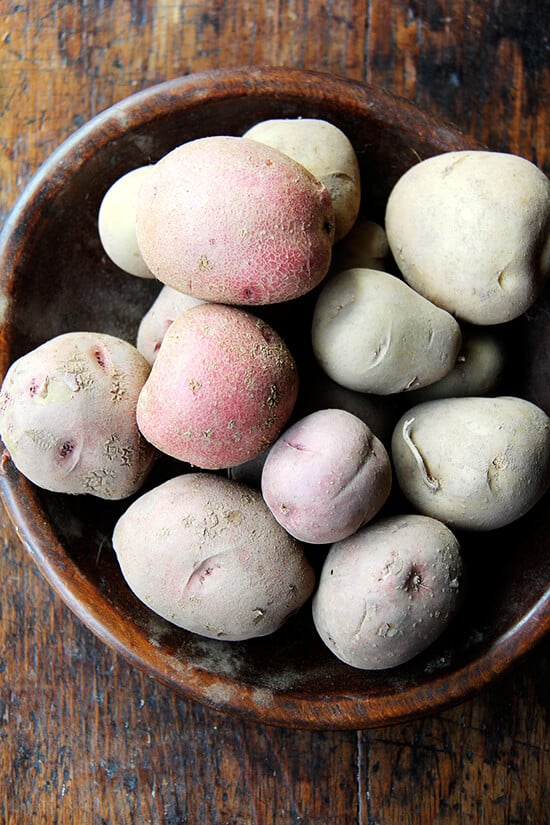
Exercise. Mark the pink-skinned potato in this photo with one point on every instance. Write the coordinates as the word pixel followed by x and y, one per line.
pixel 232 220
pixel 326 476
pixel 68 416
pixel 221 389
pixel 168 304
pixel 206 554
pixel 389 591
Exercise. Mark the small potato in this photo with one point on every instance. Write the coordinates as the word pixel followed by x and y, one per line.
pixel 373 333
pixel 474 463
pixel 478 370
pixel 326 476
pixel 470 231
pixel 68 416
pixel 327 152
pixel 206 554
pixel 231 220
pixel 364 247
pixel 165 309
pixel 221 389
pixel 389 591
pixel 117 223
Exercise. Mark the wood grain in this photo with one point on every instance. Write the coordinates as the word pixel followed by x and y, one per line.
pixel 85 738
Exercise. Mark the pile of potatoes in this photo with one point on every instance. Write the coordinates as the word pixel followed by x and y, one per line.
pixel 284 453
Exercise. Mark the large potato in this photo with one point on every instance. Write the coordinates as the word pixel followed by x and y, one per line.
pixel 470 230
pixel 68 415
pixel 474 463
pixel 387 592
pixel 327 152
pixel 326 476
pixel 207 555
pixel 231 220
pixel 373 333
pixel 221 389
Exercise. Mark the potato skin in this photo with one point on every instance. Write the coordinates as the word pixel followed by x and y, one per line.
pixel 206 554
pixel 168 304
pixel 326 476
pixel 388 592
pixel 474 463
pixel 470 231
pixel 68 415
pixel 117 223
pixel 329 155
pixel 371 332
pixel 230 220
pixel 221 389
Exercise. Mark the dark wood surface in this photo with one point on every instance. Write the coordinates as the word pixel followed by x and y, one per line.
pixel 84 737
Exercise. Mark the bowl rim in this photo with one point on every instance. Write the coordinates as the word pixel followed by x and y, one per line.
pixel 285 709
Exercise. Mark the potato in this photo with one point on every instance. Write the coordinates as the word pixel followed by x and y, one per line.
pixel 206 554
pixel 230 220
pixel 319 392
pixel 221 389
pixel 389 591
pixel 478 370
pixel 327 152
pixel 68 415
pixel 168 304
pixel 117 223
pixel 326 476
pixel 364 247
pixel 470 231
pixel 373 333
pixel 474 463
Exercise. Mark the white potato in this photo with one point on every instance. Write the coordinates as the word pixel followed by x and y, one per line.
pixel 478 370
pixel 206 554
pixel 470 230
pixel 388 592
pixel 365 246
pixel 371 332
pixel 474 463
pixel 326 152
pixel 117 222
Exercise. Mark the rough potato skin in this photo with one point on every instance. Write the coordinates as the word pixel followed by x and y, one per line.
pixel 327 152
pixel 221 389
pixel 230 220
pixel 474 463
pixel 388 592
pixel 470 231
pixel 205 553
pixel 68 415
pixel 326 476
pixel 168 304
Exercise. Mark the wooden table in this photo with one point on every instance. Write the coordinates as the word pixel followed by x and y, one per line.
pixel 84 738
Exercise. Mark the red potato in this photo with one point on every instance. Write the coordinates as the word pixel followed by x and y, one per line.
pixel 165 309
pixel 389 591
pixel 231 220
pixel 221 389
pixel 68 415
pixel 207 555
pixel 326 476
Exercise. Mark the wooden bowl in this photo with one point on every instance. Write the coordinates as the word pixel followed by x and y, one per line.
pixel 55 278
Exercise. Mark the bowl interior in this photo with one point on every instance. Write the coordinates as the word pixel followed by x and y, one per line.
pixel 55 278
